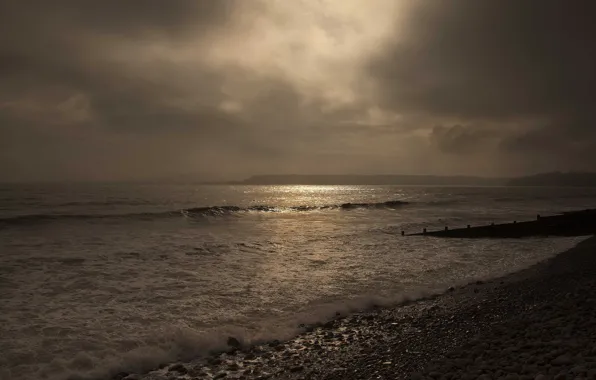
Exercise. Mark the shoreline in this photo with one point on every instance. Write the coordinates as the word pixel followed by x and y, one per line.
pixel 449 333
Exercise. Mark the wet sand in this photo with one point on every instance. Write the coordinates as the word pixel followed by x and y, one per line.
pixel 539 323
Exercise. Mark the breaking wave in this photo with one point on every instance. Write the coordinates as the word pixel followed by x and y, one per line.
pixel 183 344
pixel 196 212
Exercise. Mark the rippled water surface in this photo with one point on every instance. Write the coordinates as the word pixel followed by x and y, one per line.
pixel 100 278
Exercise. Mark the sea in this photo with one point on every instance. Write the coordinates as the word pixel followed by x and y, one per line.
pixel 101 278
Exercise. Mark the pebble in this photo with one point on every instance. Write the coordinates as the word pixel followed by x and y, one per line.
pixel 578 370
pixel 178 368
pixel 120 375
pixel 233 342
pixel 233 367
pixel 562 360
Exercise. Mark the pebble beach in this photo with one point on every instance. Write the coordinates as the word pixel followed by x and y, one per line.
pixel 539 323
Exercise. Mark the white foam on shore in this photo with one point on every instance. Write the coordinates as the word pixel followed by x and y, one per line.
pixel 176 344
pixel 186 343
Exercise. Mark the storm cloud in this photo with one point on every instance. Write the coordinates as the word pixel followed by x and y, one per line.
pixel 522 67
pixel 223 89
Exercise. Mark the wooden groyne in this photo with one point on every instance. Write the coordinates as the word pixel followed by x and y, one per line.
pixel 575 223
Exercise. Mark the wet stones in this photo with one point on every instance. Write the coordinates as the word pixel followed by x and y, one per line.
pixel 120 376
pixel 562 360
pixel 179 368
pixel 233 342
pixel 233 367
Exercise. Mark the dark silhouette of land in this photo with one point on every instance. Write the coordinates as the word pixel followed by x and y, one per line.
pixel 577 179
pixel 575 223
pixel 389 179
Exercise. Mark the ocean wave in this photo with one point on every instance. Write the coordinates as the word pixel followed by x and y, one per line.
pixel 196 212
pixel 47 218
pixel 176 344
pixel 184 344
pixel 107 202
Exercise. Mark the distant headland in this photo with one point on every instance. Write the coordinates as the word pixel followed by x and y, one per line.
pixel 577 179
pixel 370 180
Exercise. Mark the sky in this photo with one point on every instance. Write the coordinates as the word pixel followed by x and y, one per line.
pixel 223 89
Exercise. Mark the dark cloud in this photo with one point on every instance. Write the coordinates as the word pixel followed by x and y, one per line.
pixel 507 84
pixel 499 61
pixel 463 139
pixel 124 18
pixel 66 102
pixel 492 59
pixel 552 147
pixel 60 40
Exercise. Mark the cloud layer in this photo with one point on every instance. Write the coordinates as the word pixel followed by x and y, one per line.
pixel 148 89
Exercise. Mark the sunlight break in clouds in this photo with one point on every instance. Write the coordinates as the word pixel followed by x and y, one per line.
pixel 319 47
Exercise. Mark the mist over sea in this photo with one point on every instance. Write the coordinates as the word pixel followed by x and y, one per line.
pixel 97 278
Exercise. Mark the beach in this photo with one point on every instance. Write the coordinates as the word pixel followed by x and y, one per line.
pixel 317 189
pixel 115 280
pixel 538 323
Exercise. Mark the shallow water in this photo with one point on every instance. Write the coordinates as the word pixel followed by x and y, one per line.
pixel 100 278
